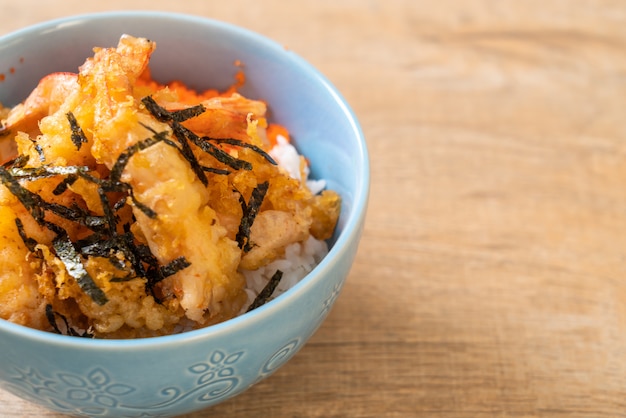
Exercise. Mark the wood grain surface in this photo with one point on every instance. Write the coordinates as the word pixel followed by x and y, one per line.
pixel 491 278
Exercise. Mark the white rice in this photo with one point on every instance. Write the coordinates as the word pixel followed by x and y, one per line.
pixel 287 157
pixel 300 257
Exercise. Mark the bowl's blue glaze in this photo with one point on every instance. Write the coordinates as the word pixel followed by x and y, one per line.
pixel 178 374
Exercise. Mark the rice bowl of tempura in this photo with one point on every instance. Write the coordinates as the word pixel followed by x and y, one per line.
pixel 179 196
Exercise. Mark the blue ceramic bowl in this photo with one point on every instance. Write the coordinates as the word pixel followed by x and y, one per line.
pixel 178 374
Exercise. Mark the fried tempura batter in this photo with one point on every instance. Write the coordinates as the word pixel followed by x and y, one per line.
pixel 121 220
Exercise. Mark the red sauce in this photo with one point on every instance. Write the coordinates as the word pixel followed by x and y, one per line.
pixel 12 70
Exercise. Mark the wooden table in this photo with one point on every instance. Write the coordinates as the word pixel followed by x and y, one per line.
pixel 491 279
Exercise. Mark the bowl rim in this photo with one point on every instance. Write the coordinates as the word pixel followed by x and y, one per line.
pixel 351 231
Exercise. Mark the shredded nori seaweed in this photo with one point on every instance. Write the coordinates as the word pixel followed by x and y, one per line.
pixel 267 291
pixel 64 184
pixel 143 208
pixel 174 266
pixel 78 136
pixel 242 144
pixel 124 157
pixel 105 241
pixel 64 249
pixel 250 211
pixel 188 113
pixel 29 200
pixel 51 316
pixel 109 216
pixel 17 162
pixel 160 113
pixel 42 156
pixel 34 173
pixel 218 153
pixel 215 170
pixel 30 242
pixel 184 135
pixel 189 155
pixel 37 206
pixel 164 115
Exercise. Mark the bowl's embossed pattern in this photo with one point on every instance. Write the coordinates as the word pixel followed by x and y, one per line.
pixel 280 357
pixel 96 393
pixel 330 300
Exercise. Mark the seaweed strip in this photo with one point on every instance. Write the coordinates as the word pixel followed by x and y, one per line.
pixel 37 206
pixel 122 279
pixel 78 135
pixel 39 150
pixel 189 155
pixel 53 227
pixel 238 143
pixel 119 204
pixel 51 316
pixel 133 254
pixel 64 184
pixel 74 214
pixel 93 222
pixel 174 266
pixel 267 291
pixel 215 170
pixel 19 161
pixel 106 184
pixel 219 154
pixel 202 142
pixel 164 115
pixel 28 241
pixel 120 265
pixel 159 112
pixel 124 157
pixel 136 255
pixel 250 211
pixel 143 207
pixel 34 173
pixel 183 134
pixel 188 113
pixel 31 201
pixel 109 216
pixel 98 246
pixel 153 273
pixel 71 259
